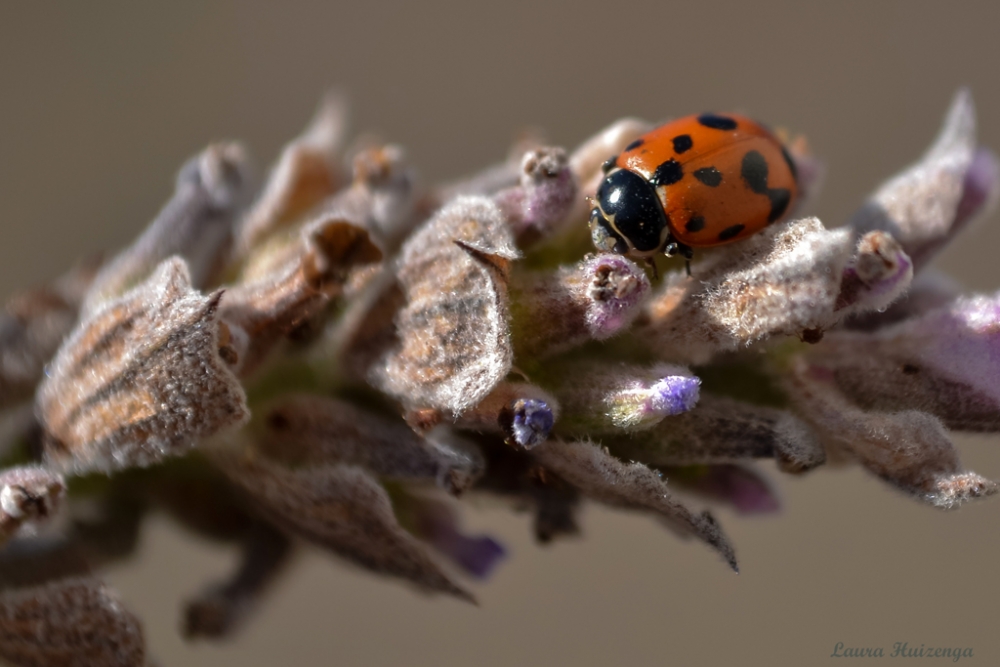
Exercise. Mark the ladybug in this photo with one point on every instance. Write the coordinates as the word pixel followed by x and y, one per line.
pixel 695 182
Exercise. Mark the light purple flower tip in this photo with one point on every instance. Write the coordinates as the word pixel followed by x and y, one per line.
pixel 674 394
pixel 618 286
pixel 880 273
pixel 743 488
pixel 533 420
pixel 979 188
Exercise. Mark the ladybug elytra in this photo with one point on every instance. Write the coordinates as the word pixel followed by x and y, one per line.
pixel 695 182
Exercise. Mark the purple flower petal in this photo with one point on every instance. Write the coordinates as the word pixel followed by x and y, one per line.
pixel 673 395
pixel 437 523
pixel 745 489
pixel 533 420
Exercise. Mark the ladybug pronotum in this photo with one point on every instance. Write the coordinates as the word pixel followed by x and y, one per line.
pixel 695 182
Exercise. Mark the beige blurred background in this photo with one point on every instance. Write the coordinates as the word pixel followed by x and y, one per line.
pixel 101 103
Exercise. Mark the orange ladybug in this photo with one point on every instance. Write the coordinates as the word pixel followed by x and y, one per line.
pixel 695 182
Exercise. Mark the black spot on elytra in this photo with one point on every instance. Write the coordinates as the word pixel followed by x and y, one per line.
pixel 717 122
pixel 682 143
pixel 780 197
pixel 609 164
pixel 635 144
pixel 910 369
pixel 754 172
pixel 668 173
pixel 695 224
pixel 730 232
pixel 710 176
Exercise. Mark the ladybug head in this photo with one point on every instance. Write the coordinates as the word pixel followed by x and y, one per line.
pixel 627 217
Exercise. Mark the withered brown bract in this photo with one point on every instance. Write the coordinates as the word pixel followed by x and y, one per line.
pixel 33 325
pixel 455 340
pixel 314 430
pixel 306 275
pixel 71 622
pixel 342 508
pixel 140 379
pixel 607 479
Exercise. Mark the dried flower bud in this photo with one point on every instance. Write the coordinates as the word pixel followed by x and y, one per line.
pixel 27 495
pixel 366 331
pixel 78 622
pixel 382 194
pixel 522 412
pixel 139 379
pixel 307 172
pixel 927 204
pixel 909 449
pixel 312 430
pixel 270 306
pixel 942 361
pixel 743 487
pixel 32 326
pixel 592 300
pixel 720 430
pixel 606 479
pixel 454 344
pixel 341 508
pixel 219 610
pixel 601 397
pixel 876 276
pixel 195 224
pixel 437 523
pixel 535 208
pixel 782 281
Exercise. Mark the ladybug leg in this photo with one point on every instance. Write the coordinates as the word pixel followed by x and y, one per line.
pixel 652 264
pixel 687 253
pixel 673 248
